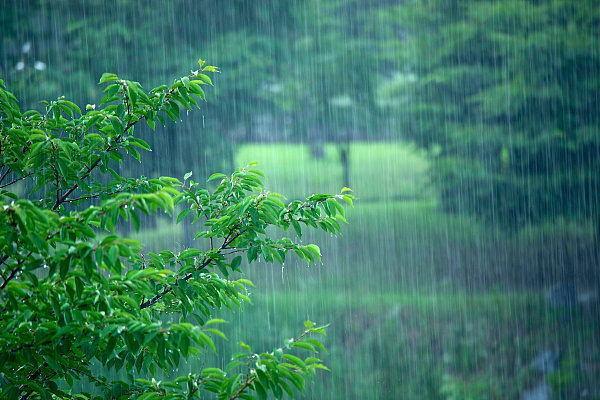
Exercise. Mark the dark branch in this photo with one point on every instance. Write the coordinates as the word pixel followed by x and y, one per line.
pixel 10 277
pixel 249 380
pixel 90 169
pixel 65 196
pixel 90 196
pixel 4 174
pixel 16 180
pixel 187 277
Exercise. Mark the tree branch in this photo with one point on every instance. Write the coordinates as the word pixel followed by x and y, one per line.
pixel 252 376
pixel 11 276
pixel 4 174
pixel 249 380
pixel 14 181
pixel 187 277
pixel 91 196
pixel 89 170
pixel 87 173
pixel 15 271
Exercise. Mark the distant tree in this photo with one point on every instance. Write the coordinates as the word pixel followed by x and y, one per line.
pixel 506 93
pixel 329 89
pixel 79 301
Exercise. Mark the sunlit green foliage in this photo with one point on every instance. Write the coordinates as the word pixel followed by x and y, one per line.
pixel 292 167
pixel 75 294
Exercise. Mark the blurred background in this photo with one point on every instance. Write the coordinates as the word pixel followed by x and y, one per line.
pixel 469 131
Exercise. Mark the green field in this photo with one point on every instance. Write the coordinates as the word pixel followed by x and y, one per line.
pixel 377 170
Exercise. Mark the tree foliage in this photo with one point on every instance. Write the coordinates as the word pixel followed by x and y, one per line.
pixel 507 94
pixel 78 298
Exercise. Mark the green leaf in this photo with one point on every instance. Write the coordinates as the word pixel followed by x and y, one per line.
pixel 235 263
pixel 216 176
pixel 183 214
pixel 214 321
pixel 108 77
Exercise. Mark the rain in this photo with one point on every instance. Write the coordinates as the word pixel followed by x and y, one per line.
pixel 469 132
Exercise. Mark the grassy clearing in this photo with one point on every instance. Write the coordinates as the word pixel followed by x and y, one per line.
pixel 378 171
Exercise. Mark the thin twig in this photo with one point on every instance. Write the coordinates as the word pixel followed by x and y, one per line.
pixel 252 376
pixel 187 277
pixel 91 168
pixel 87 173
pixel 4 174
pixel 91 196
pixel 16 180
pixel 12 275
pixel 249 380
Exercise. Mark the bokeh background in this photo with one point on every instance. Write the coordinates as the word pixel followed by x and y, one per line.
pixel 469 131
